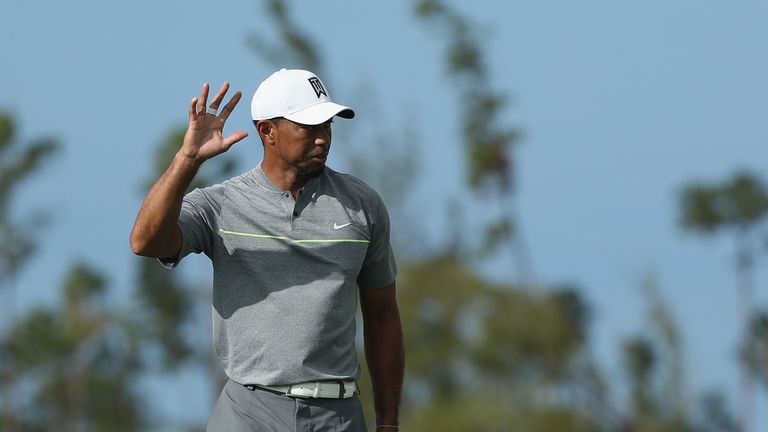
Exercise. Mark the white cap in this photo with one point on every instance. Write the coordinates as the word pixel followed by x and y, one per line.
pixel 297 95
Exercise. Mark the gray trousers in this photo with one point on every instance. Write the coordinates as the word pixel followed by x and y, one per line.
pixel 240 409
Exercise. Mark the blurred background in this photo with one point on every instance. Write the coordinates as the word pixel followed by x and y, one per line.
pixel 577 191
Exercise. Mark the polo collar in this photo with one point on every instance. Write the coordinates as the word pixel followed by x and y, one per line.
pixel 261 178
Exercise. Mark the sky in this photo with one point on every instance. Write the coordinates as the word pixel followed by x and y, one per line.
pixel 620 105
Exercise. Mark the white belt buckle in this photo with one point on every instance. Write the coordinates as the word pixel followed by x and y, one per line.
pixel 316 389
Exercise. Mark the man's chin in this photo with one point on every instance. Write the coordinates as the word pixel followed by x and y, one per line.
pixel 311 171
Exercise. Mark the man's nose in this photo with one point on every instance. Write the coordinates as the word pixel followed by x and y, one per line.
pixel 323 136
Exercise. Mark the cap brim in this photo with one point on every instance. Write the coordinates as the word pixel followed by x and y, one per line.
pixel 320 113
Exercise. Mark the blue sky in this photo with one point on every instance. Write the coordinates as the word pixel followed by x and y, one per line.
pixel 620 105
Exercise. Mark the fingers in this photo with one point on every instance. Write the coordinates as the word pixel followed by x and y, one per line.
pixel 197 107
pixel 219 95
pixel 193 109
pixel 233 138
pixel 227 110
pixel 201 103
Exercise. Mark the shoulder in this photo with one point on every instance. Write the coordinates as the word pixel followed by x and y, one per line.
pixel 353 185
pixel 205 195
pixel 356 194
pixel 211 196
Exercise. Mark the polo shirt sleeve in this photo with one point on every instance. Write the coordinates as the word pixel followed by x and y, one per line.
pixel 379 268
pixel 197 221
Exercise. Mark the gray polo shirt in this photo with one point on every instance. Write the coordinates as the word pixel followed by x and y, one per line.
pixel 286 273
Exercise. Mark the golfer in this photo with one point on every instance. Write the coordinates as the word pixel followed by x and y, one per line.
pixel 294 245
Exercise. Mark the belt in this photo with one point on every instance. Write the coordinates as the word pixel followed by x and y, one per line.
pixel 317 389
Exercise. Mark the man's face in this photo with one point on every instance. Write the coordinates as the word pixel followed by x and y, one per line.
pixel 304 147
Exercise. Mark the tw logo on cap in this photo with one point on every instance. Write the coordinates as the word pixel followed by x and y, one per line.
pixel 317 86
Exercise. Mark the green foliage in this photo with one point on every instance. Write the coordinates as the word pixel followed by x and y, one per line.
pixel 495 233
pixel 654 367
pixel 75 360
pixel 483 412
pixel 72 358
pixel 740 202
pixel 714 415
pixel 82 285
pixel 699 209
pixel 16 164
pixel 481 356
pixel 640 360
pixel 744 200
pixel 7 129
pixel 166 304
pixel 17 244
pixel 97 400
pixel 488 144
pixel 465 337
pixel 756 349
pixel 524 333
pixel 39 338
pixel 576 312
pixel 15 168
pixel 487 139
pixel 454 314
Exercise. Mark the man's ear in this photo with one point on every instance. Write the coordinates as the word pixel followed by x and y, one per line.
pixel 267 130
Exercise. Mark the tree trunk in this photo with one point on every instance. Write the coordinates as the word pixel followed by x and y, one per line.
pixel 744 268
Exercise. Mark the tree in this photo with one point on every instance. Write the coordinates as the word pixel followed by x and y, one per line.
pixel 713 415
pixel 488 141
pixel 17 240
pixel 482 356
pixel 16 164
pixel 489 357
pixel 78 360
pixel 738 205
pixel 756 353
pixel 653 365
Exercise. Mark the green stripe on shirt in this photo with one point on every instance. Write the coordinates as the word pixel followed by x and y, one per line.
pixel 237 233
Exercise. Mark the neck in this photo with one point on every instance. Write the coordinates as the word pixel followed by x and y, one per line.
pixel 286 178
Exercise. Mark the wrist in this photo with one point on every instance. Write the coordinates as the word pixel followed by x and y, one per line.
pixel 390 424
pixel 191 161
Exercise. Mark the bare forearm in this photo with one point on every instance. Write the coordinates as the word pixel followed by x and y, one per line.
pixel 155 233
pixel 385 356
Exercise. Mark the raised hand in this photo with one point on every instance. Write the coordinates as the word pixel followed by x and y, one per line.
pixel 204 138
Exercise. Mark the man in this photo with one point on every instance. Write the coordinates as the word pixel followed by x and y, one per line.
pixel 292 244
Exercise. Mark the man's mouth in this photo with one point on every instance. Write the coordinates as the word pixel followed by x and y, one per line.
pixel 320 157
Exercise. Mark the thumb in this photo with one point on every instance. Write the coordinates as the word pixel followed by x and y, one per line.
pixel 234 137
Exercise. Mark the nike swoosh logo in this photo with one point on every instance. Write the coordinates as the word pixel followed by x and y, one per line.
pixel 340 226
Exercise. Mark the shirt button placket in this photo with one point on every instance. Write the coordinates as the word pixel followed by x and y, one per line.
pixel 291 212
pixel 295 213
